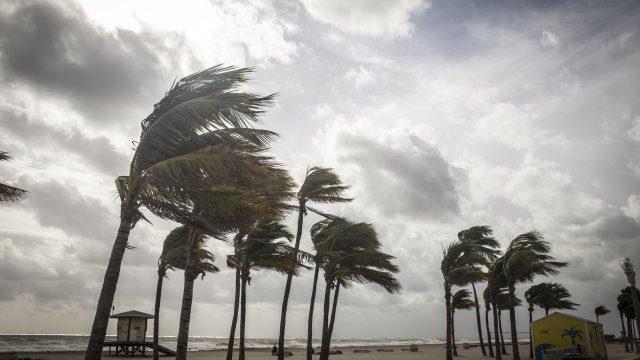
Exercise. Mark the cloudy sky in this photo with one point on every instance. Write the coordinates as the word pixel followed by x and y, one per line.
pixel 441 115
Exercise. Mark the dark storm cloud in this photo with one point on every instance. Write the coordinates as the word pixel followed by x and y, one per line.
pixel 400 183
pixel 56 50
pixel 61 205
pixel 99 152
pixel 48 279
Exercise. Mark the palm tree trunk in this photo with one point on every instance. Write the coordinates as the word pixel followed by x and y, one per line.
pixel 333 312
pixel 447 305
pixel 324 344
pixel 287 287
pixel 187 297
pixel 503 348
pixel 496 329
pixel 105 301
pixel 546 311
pixel 311 306
pixel 243 314
pixel 234 319
pixel 630 334
pixel 475 297
pixel 486 320
pixel 512 320
pixel 453 333
pixel 597 318
pixel 530 335
pixel 624 333
pixel 156 314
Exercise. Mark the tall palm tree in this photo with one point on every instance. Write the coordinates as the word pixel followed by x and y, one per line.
pixel 526 257
pixel 262 250
pixel 457 259
pixel 625 306
pixel 487 246
pixel 10 193
pixel 174 257
pixel 601 310
pixel 197 136
pixel 620 307
pixel 320 185
pixel 351 255
pixel 461 300
pixel 502 304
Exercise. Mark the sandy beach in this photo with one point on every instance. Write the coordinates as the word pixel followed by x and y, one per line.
pixel 615 351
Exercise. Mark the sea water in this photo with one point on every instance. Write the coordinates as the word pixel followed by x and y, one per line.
pixel 49 342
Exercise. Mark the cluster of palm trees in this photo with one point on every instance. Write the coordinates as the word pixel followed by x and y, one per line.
pixel 626 311
pixel 475 258
pixel 201 163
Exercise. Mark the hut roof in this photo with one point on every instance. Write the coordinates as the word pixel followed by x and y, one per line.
pixel 132 313
pixel 556 313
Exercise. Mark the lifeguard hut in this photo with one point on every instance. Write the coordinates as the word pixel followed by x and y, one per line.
pixel 560 330
pixel 132 334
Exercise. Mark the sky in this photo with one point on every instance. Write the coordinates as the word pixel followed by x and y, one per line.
pixel 440 115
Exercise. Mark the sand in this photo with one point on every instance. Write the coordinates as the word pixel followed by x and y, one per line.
pixel 426 352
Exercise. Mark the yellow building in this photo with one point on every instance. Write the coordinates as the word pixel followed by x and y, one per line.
pixel 562 330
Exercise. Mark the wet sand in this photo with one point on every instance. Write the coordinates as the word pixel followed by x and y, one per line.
pixel 615 351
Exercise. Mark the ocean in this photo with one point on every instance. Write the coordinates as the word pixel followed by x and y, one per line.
pixel 43 343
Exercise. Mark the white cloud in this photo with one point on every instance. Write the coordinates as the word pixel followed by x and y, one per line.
pixel 549 39
pixel 634 132
pixel 632 209
pixel 368 17
pixel 360 77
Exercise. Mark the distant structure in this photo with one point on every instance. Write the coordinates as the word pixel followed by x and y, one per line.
pixel 132 326
pixel 562 331
pixel 132 334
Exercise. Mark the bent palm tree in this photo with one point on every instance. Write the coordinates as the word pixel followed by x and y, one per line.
pixel 10 193
pixel 601 310
pixel 174 256
pixel 352 255
pixel 526 257
pixel 487 246
pixel 197 136
pixel 457 260
pixel 262 250
pixel 321 185
pixel 486 296
pixel 461 300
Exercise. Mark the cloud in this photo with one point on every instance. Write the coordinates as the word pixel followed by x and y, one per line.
pixel 360 77
pixel 55 51
pixel 366 17
pixel 549 39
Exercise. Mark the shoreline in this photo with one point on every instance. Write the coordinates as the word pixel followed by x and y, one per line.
pixel 396 352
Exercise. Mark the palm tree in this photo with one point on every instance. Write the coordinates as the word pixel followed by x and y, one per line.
pixel 625 306
pixel 461 300
pixel 174 257
pixel 457 260
pixel 601 310
pixel 620 307
pixel 10 193
pixel 573 333
pixel 502 304
pixel 486 246
pixel 486 296
pixel 526 257
pixel 321 185
pixel 197 136
pixel 351 255
pixel 262 250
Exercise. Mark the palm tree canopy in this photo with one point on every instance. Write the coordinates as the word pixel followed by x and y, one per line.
pixel 481 237
pixel 261 248
pixel 461 300
pixel 198 141
pixel 601 310
pixel 10 193
pixel 174 252
pixel 550 296
pixel 527 257
pixel 502 300
pixel 625 302
pixel 350 253
pixel 322 185
pixel 457 260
